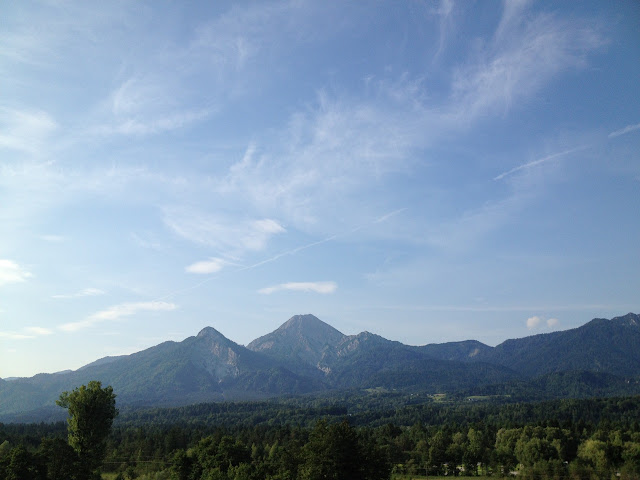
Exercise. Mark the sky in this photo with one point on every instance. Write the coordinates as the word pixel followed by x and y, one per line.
pixel 427 171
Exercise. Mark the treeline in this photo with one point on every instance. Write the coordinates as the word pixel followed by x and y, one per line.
pixel 579 439
pixel 577 451
pixel 378 409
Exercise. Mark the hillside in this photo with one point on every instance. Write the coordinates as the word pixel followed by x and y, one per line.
pixel 307 356
pixel 605 346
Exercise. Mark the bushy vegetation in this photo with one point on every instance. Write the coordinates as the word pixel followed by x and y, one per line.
pixel 578 439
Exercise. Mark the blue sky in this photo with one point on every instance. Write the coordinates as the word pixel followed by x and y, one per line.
pixel 427 171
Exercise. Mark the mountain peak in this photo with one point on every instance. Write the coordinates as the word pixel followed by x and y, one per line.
pixel 628 320
pixel 210 332
pixel 307 322
pixel 302 337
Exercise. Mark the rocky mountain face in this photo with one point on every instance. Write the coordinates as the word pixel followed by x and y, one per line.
pixel 302 342
pixel 306 355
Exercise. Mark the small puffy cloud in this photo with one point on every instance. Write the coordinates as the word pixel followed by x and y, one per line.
pixel 533 322
pixel 212 265
pixel 87 292
pixel 315 287
pixel 536 322
pixel 116 312
pixel 11 272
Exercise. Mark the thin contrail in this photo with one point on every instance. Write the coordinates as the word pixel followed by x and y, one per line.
pixel 539 161
pixel 380 219
pixel 625 130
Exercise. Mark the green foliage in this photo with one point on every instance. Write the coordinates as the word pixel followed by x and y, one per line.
pixel 21 464
pixel 331 450
pixel 586 439
pixel 91 413
pixel 60 459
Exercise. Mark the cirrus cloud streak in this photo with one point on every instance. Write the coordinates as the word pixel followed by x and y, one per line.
pixel 116 312
pixel 315 287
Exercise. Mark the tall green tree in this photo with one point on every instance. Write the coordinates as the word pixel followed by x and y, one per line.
pixel 335 452
pixel 91 413
pixel 60 460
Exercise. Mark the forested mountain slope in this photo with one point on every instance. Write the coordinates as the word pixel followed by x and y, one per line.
pixel 308 356
pixel 608 346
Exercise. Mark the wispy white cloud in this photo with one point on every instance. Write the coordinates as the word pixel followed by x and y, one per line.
pixel 155 124
pixel 526 52
pixel 39 331
pixel 511 18
pixel 27 333
pixel 229 236
pixel 342 147
pixel 444 12
pixel 147 240
pixel 15 336
pixel 86 292
pixel 116 312
pixel 29 44
pixel 315 287
pixel 625 130
pixel 540 161
pixel 212 265
pixel 332 152
pixel 53 238
pixel 11 272
pixel 227 50
pixel 149 104
pixel 24 130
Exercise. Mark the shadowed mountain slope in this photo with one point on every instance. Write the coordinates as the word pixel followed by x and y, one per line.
pixel 458 351
pixel 306 355
pixel 607 346
pixel 207 367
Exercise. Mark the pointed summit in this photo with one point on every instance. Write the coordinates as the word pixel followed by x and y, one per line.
pixel 310 325
pixel 210 332
pixel 213 342
pixel 301 339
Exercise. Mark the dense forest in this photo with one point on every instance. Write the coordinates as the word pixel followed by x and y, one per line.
pixel 354 438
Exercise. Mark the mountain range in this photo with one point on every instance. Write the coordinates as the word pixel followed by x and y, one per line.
pixel 307 356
